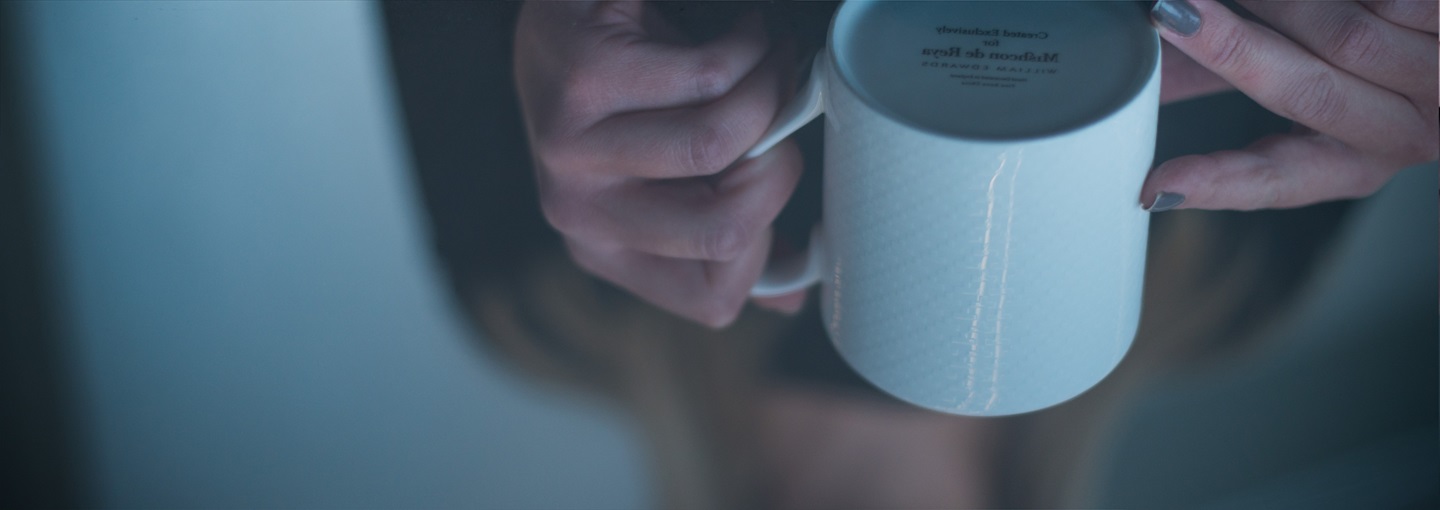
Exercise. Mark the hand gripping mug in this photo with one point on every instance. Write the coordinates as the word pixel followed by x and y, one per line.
pixel 982 247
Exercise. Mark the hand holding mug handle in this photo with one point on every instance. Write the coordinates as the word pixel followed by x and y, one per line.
pixel 635 131
pixel 793 272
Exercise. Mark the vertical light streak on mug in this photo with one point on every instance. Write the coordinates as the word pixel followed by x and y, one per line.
pixel 835 301
pixel 1004 274
pixel 974 337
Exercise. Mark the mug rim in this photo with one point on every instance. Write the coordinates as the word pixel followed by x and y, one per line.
pixel 1131 96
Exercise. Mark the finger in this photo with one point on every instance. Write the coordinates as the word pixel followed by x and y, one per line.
pixel 1414 14
pixel 1353 38
pixel 1182 78
pixel 1290 81
pixel 681 142
pixel 788 304
pixel 627 69
pixel 1277 172
pixel 714 218
pixel 711 293
pixel 578 62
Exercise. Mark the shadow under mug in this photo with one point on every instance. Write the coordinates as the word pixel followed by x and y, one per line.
pixel 983 245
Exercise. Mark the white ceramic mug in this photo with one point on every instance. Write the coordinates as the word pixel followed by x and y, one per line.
pixel 983 247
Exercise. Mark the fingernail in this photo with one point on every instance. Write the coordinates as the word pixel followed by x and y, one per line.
pixel 1165 201
pixel 1177 16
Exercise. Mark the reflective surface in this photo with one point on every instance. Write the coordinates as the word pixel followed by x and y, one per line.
pixel 256 236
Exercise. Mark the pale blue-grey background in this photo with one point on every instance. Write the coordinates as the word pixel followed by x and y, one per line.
pixel 251 312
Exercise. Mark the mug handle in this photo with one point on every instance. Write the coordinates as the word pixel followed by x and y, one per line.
pixel 790 273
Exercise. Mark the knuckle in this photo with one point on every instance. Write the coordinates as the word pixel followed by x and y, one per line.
pixel 556 144
pixel 1314 101
pixel 710 77
pixel 725 239
pixel 578 94
pixel 554 152
pixel 1357 42
pixel 563 211
pixel 1270 182
pixel 1229 50
pixel 585 86
pixel 719 311
pixel 705 152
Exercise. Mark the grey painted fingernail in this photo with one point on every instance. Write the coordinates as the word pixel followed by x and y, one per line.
pixel 1165 201
pixel 1176 15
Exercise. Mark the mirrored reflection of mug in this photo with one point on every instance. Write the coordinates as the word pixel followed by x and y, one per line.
pixel 983 248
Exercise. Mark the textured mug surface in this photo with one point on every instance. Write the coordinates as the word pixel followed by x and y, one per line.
pixel 983 247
